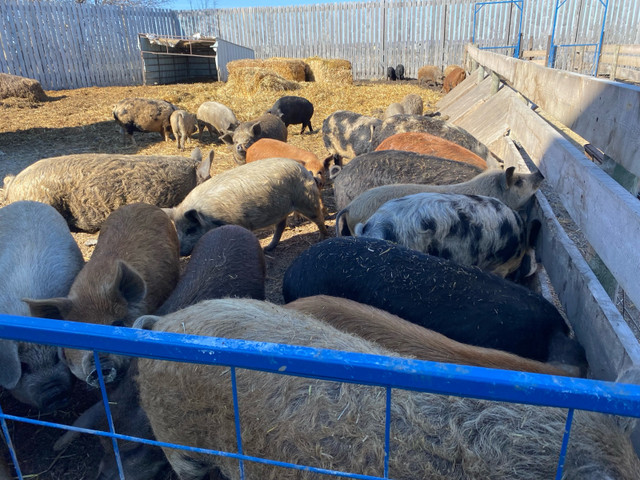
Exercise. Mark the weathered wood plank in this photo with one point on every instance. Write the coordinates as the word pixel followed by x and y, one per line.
pixel 609 343
pixel 603 112
pixel 605 212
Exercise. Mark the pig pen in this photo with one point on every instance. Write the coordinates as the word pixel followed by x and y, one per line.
pixel 461 105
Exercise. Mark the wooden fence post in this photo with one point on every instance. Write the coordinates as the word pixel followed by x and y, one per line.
pixel 546 57
pixel 495 82
pixel 614 64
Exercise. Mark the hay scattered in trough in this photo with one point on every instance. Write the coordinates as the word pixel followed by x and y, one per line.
pixel 12 86
pixel 250 80
pixel 330 70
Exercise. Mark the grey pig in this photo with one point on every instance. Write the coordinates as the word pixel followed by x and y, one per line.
pixel 255 195
pixel 512 188
pixel 39 258
pixel 217 118
pixel 247 133
pixel 183 124
pixel 85 188
pixel 306 421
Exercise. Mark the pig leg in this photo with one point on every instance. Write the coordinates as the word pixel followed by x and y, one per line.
pixel 186 467
pixel 277 234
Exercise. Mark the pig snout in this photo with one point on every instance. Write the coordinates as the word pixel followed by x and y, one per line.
pixel 108 369
pixel 53 396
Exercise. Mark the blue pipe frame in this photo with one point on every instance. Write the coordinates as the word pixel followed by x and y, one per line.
pixel 375 370
pixel 553 47
pixel 519 4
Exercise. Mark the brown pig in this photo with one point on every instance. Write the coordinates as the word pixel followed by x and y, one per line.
pixel 134 268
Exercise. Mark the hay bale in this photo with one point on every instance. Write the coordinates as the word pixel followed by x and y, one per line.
pixel 250 80
pixel 287 68
pixel 21 87
pixel 330 70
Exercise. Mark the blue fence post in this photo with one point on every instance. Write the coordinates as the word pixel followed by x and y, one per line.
pixel 479 5
pixel 12 451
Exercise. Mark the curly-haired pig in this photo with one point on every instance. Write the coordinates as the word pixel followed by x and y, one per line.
pixel 400 71
pixel 143 115
pixel 391 74
pixel 394 166
pixel 270 148
pixel 347 134
pixel 427 144
pixel 247 133
pixel 133 269
pixel 85 188
pixel 412 104
pixel 39 259
pixel 293 110
pixel 183 124
pixel 341 426
pixel 512 188
pixel 467 229
pixel 408 339
pixel 217 118
pixel 255 195
pixel 463 303
pixel 434 126
pixel 453 79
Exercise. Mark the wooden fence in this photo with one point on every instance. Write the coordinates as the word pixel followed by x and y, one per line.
pixel 65 45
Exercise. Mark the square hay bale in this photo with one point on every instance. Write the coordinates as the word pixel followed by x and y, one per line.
pixel 288 68
pixel 249 80
pixel 330 70
pixel 21 87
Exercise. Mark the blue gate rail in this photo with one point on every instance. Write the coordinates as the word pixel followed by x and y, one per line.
pixel 375 370
pixel 519 5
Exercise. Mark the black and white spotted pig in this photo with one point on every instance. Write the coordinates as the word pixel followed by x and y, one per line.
pixel 347 134
pixel 293 110
pixel 394 166
pixel 463 303
pixel 247 133
pixel 467 229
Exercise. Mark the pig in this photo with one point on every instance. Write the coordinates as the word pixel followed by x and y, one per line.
pixel 427 144
pixel 400 71
pixel 143 115
pixel 434 126
pixel 217 118
pixel 293 110
pixel 85 188
pixel 408 339
pixel 391 74
pixel 319 423
pixel 453 79
pixel 412 104
pixel 226 262
pixel 347 134
pixel 393 109
pixel 247 133
pixel 394 166
pixel 134 268
pixel 254 196
pixel 463 303
pixel 467 229
pixel 183 124
pixel 512 188
pixel 430 76
pixel 270 148
pixel 449 68
pixel 39 258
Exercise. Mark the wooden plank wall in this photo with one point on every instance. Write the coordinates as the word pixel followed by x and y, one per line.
pixel 68 45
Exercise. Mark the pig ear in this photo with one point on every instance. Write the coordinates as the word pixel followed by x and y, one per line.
pixel 10 370
pixel 205 167
pixel 507 180
pixel 55 308
pixel 130 284
pixel 193 217
pixel 327 161
pixel 256 129
pixel 146 322
pixel 227 138
pixel 196 155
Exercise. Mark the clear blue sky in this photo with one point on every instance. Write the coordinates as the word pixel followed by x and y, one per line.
pixel 199 4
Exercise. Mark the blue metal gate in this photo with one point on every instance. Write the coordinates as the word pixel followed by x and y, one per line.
pixel 519 5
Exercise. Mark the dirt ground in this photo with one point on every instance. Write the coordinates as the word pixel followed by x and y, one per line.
pixel 80 121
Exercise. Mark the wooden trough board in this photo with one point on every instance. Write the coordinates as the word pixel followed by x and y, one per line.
pixel 607 214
